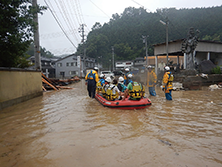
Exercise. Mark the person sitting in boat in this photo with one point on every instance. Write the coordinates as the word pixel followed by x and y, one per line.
pixel 121 85
pixel 126 76
pixel 105 86
pixel 129 79
pixel 135 90
pixel 112 91
pixel 99 85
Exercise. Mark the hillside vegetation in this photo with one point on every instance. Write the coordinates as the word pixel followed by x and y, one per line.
pixel 124 31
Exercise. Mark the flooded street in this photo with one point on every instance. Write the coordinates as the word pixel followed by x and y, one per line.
pixel 68 129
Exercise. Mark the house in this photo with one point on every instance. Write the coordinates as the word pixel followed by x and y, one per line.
pixel 205 50
pixel 70 66
pixel 47 65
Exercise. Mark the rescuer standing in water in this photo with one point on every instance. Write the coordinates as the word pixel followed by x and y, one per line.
pixel 167 83
pixel 91 79
pixel 151 81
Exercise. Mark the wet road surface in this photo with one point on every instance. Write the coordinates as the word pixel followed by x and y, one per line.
pixel 68 129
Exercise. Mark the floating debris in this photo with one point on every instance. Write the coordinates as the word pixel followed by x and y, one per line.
pixel 177 86
pixel 165 142
pixel 215 86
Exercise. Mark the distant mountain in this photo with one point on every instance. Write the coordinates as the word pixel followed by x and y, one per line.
pixel 124 32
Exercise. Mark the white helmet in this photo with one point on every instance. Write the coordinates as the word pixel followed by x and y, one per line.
pixel 102 75
pixel 129 75
pixel 108 79
pixel 149 66
pixel 121 79
pixel 96 68
pixel 167 68
pixel 127 69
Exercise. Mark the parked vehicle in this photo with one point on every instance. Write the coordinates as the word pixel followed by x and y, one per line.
pixel 118 73
pixel 107 74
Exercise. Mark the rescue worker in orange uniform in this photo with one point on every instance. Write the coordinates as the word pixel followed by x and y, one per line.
pixel 91 79
pixel 167 83
pixel 151 81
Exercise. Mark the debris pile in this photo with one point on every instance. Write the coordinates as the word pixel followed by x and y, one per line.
pixel 215 86
pixel 177 86
pixel 56 84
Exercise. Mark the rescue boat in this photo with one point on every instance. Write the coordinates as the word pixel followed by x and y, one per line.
pixel 124 104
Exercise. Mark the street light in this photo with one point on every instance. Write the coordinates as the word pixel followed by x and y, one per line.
pixel 166 23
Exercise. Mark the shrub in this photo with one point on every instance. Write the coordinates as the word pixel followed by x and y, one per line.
pixel 216 70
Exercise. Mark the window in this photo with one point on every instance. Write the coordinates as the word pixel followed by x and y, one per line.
pixel 73 72
pixel 62 74
pixel 73 64
pixel 59 64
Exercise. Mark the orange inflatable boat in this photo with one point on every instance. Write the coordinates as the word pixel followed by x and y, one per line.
pixel 124 104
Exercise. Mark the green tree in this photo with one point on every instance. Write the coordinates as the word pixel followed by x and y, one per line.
pixel 44 52
pixel 16 30
pixel 124 31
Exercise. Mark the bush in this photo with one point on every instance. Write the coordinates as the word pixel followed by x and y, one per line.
pixel 216 70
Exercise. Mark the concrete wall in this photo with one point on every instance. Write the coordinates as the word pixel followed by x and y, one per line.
pixel 19 85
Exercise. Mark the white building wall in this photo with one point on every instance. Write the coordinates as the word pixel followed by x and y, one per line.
pixel 67 67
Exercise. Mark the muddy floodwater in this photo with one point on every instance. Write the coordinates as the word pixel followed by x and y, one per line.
pixel 68 129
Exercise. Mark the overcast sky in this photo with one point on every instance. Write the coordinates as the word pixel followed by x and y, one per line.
pixel 72 13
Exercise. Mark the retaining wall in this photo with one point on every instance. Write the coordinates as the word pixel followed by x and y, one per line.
pixel 17 85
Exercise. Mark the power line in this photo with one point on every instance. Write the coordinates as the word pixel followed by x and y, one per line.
pixel 82 14
pixel 78 11
pixel 141 5
pixel 78 19
pixel 64 15
pixel 59 24
pixel 99 9
pixel 56 34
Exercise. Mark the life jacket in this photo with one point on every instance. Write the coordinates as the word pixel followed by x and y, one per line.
pixel 136 92
pixel 143 91
pixel 171 77
pixel 104 90
pixel 91 75
pixel 170 82
pixel 99 85
pixel 109 93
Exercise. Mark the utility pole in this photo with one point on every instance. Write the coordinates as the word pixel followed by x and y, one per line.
pixel 167 38
pixel 82 34
pixel 36 40
pixel 166 24
pixel 113 56
pixel 144 38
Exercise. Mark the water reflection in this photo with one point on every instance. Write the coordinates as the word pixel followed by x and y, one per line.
pixel 67 128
